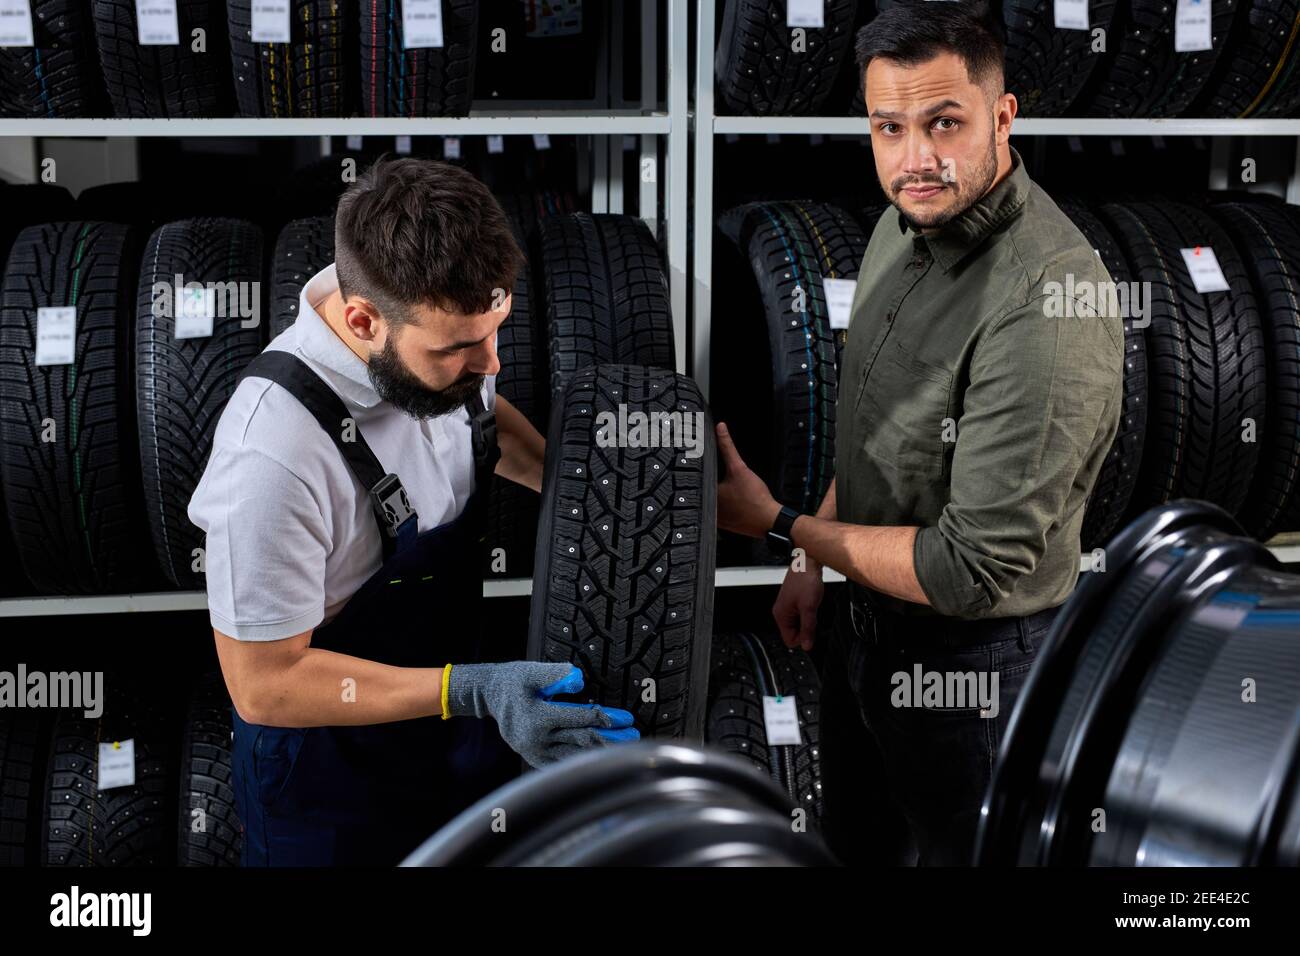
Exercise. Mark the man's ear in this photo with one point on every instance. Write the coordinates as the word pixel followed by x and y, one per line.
pixel 361 316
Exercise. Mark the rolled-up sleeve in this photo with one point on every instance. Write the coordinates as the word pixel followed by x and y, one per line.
pixel 1041 391
pixel 266 547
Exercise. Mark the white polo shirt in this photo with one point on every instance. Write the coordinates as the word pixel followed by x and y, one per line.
pixel 290 532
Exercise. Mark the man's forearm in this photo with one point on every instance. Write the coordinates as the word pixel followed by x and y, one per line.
pixel 321 688
pixel 877 557
pixel 523 449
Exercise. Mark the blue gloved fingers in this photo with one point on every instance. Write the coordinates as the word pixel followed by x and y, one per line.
pixel 621 735
pixel 570 683
pixel 618 716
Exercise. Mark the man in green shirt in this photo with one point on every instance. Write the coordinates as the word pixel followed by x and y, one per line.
pixel 976 404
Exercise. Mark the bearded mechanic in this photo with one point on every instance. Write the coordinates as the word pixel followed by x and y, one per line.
pixel 342 506
pixel 971 425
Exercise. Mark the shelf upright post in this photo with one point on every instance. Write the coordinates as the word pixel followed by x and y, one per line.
pixel 702 225
pixel 675 187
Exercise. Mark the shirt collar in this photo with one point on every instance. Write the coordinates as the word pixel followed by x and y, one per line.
pixel 959 236
pixel 337 364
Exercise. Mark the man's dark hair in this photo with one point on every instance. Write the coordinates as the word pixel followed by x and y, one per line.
pixel 912 33
pixel 420 232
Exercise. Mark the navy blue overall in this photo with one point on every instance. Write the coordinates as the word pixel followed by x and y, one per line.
pixel 368 795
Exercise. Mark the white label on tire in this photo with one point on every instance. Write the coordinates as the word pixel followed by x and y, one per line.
pixel 156 22
pixel 270 21
pixel 805 13
pixel 56 335
pixel 496 143
pixel 542 140
pixel 1192 26
pixel 451 147
pixel 116 765
pixel 839 300
pixel 196 307
pixel 1070 14
pixel 781 718
pixel 402 144
pixel 421 24
pixel 354 142
pixel 16 23
pixel 1203 264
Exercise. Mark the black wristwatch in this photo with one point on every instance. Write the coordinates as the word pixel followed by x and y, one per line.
pixel 778 538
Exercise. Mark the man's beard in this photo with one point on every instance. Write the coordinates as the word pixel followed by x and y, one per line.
pixel 974 187
pixel 397 385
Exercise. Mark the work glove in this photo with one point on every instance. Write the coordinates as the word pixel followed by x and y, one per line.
pixel 517 696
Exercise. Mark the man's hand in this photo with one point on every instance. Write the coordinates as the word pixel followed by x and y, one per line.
pixel 795 610
pixel 517 695
pixel 745 506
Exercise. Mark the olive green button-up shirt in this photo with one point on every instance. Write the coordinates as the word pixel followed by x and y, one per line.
pixel 980 390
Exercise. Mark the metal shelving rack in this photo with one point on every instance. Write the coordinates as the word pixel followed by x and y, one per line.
pixel 679 122
pixel 605 127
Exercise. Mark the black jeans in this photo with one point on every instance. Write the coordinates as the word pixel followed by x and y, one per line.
pixel 902 783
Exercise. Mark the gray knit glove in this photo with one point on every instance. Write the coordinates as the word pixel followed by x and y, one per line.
pixel 517 696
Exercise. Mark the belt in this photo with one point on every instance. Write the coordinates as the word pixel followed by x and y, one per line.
pixel 874 622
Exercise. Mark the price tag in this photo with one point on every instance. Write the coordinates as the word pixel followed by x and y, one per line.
pixel 839 300
pixel 451 147
pixel 354 142
pixel 629 143
pixel 1071 14
pixel 1203 264
pixel 496 144
pixel 542 140
pixel 1192 26
pixel 116 765
pixel 421 23
pixel 196 307
pixel 402 144
pixel 270 21
pixel 156 22
pixel 56 335
pixel 16 23
pixel 781 719
pixel 805 13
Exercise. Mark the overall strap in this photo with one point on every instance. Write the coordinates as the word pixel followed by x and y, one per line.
pixel 483 433
pixel 397 520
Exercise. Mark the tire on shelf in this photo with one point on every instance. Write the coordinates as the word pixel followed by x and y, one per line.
pixel 758 75
pixel 1267 236
pixel 69 456
pixel 32 204
pixel 747 667
pixel 318 62
pixel 122 826
pixel 787 433
pixel 1205 359
pixel 623 586
pixel 604 294
pixel 429 81
pixel 304 247
pixel 209 832
pixel 24 746
pixel 58 77
pixel 163 80
pixel 1109 500
pixel 1141 74
pixel 1047 67
pixel 182 384
pixel 521 349
pixel 1258 75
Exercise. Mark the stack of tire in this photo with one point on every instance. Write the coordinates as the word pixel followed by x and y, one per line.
pixel 1252 68
pixel 170 800
pixel 113 433
pixel 342 58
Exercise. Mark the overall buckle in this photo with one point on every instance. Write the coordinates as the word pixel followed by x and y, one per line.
pixel 860 615
pixel 391 505
pixel 483 433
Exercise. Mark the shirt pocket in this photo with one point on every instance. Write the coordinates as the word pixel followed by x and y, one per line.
pixel 904 407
